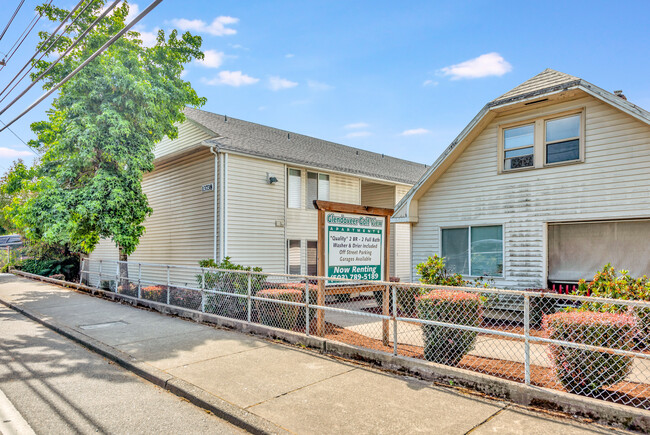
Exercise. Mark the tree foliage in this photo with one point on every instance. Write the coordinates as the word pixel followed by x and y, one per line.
pixel 100 132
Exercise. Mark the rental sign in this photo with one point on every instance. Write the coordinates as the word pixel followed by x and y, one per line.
pixel 355 246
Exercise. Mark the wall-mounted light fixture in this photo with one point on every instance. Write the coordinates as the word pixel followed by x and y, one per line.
pixel 270 178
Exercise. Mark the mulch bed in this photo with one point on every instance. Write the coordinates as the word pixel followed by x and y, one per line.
pixel 626 393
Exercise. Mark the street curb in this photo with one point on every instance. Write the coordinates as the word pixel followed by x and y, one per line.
pixel 220 408
pixel 597 410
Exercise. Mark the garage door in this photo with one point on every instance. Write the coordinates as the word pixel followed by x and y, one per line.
pixel 578 250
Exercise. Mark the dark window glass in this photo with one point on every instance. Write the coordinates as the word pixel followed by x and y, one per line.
pixel 312 189
pixel 312 258
pixel 563 151
pixel 455 250
pixel 487 251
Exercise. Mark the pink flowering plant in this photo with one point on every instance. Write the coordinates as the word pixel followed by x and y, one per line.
pixel 585 371
pixel 446 345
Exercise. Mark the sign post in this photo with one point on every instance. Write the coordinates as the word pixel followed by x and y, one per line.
pixel 354 244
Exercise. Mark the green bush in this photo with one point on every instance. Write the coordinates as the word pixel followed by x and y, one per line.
pixel 608 284
pixel 67 266
pixel 228 282
pixel 275 314
pixel 313 300
pixel 583 371
pixel 407 299
pixel 433 272
pixel 446 345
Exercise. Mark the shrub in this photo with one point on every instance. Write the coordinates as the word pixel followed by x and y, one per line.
pixel 190 299
pixel 313 300
pixel 433 272
pixel 67 266
pixel 583 371
pixel 445 345
pixel 276 314
pixel 156 293
pixel 228 282
pixel 407 299
pixel 607 284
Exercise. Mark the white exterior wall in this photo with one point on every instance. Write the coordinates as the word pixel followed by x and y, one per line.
pixel 401 243
pixel 253 206
pixel 613 182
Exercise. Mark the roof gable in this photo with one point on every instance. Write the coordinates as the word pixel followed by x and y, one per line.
pixel 547 82
pixel 258 140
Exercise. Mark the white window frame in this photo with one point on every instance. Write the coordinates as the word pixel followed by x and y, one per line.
pixel 518 148
pixel 580 138
pixel 539 147
pixel 289 256
pixel 299 188
pixel 469 246
pixel 308 205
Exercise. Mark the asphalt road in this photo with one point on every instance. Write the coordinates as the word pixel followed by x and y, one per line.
pixel 52 385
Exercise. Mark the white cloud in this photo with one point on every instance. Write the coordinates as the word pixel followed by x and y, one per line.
pixel 414 131
pixel 358 134
pixel 9 153
pixel 430 83
pixel 356 125
pixel 278 83
pixel 490 64
pixel 231 78
pixel 134 10
pixel 183 73
pixel 149 39
pixel 218 27
pixel 212 59
pixel 289 55
pixel 319 86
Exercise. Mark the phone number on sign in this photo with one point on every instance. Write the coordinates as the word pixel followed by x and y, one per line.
pixel 358 276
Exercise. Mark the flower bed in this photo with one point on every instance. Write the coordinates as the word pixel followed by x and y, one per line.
pixel 445 345
pixel 583 371
pixel 276 314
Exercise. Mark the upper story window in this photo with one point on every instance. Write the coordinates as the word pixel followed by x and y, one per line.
pixel 294 185
pixel 519 147
pixel 562 141
pixel 545 141
pixel 318 187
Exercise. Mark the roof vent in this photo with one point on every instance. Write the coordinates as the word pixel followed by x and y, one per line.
pixel 225 118
pixel 288 136
pixel 357 152
pixel 619 93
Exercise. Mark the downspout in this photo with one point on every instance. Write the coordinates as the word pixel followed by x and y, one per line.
pixel 217 186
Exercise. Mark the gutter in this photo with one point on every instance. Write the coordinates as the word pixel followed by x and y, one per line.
pixel 216 217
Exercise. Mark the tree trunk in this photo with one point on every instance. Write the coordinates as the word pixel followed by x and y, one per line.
pixel 124 271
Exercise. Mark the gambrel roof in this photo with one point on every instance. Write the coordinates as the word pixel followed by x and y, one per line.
pixel 547 83
pixel 257 140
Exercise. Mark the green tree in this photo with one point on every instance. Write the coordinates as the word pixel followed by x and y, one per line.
pixel 100 133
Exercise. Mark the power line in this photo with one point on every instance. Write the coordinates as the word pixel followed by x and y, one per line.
pixel 26 33
pixel 92 57
pixel 12 19
pixel 45 51
pixel 49 68
pixel 19 138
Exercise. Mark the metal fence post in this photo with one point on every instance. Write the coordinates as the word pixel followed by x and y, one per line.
pixel 526 339
pixel 249 301
pixel 306 306
pixel 81 271
pixel 117 275
pixel 394 289
pixel 168 284
pixel 139 280
pixel 99 284
pixel 202 290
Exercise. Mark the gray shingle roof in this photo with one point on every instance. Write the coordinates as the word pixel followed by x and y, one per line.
pixel 261 141
pixel 546 79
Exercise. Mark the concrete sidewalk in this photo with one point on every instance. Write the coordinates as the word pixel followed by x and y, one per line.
pixel 292 389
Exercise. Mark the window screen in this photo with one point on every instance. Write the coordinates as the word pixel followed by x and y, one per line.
pixel 293 188
pixel 312 258
pixel 294 257
pixel 318 187
pixel 487 251
pixel 455 250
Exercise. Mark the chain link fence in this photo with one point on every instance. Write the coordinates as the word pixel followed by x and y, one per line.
pixel 582 345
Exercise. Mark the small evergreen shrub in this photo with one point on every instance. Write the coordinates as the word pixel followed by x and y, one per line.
pixel 446 345
pixel 583 371
pixel 313 300
pixel 276 314
pixel 407 299
pixel 156 293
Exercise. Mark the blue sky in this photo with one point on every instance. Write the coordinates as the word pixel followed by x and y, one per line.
pixel 400 78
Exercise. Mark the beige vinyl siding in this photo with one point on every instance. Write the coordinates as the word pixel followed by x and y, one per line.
pixel 180 230
pixel 107 252
pixel 253 208
pixel 401 242
pixel 611 183
pixel 302 224
pixel 190 135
